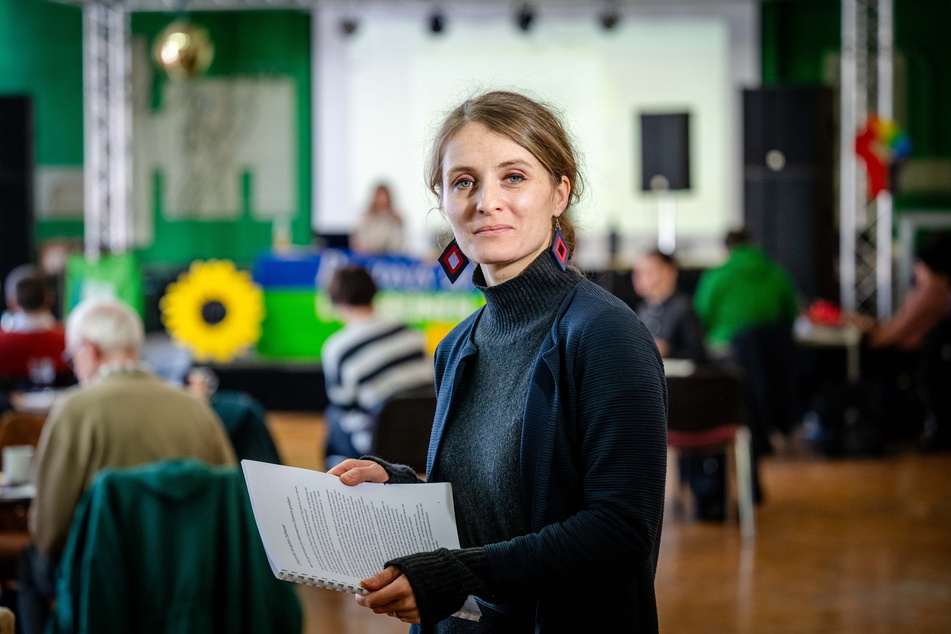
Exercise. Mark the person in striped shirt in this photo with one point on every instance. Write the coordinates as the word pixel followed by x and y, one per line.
pixel 372 358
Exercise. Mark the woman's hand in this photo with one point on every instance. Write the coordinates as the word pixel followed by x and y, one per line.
pixel 353 472
pixel 391 594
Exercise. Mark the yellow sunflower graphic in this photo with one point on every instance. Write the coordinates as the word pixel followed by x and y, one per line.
pixel 214 309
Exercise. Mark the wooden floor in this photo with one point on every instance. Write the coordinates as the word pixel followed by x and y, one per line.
pixel 843 546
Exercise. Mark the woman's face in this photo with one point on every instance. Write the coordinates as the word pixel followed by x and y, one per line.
pixel 499 200
pixel 381 197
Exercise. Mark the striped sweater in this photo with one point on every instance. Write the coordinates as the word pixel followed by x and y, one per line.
pixel 367 362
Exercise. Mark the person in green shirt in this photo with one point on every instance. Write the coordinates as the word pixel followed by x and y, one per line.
pixel 748 290
pixel 747 307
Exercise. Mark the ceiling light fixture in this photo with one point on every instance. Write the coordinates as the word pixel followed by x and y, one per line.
pixel 183 49
pixel 348 26
pixel 525 17
pixel 437 22
pixel 610 18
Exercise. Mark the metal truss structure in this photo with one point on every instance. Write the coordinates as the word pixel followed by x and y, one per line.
pixel 107 119
pixel 865 226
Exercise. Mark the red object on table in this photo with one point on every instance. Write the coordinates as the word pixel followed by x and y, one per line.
pixel 824 313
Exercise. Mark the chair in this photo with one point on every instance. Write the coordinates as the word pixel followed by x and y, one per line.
pixel 244 420
pixel 20 428
pixel 403 427
pixel 769 359
pixel 16 428
pixel 169 547
pixel 706 410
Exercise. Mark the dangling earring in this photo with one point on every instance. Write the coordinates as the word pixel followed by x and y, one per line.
pixel 559 248
pixel 453 261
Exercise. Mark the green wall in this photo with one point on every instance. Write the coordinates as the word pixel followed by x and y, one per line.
pixel 41 56
pixel 796 36
pixel 246 43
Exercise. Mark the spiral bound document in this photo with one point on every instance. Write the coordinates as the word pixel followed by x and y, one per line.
pixel 320 532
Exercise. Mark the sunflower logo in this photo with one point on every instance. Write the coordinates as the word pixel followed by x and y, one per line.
pixel 214 309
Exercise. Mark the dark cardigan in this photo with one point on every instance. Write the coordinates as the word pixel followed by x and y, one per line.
pixel 593 463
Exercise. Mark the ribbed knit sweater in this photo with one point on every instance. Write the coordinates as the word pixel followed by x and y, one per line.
pixel 479 453
pixel 480 448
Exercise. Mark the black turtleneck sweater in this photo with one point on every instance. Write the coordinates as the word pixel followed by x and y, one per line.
pixel 479 452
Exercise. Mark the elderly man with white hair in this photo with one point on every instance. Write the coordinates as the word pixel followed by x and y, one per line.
pixel 120 415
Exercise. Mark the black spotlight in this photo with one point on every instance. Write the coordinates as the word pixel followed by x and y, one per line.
pixel 525 17
pixel 609 19
pixel 348 26
pixel 437 22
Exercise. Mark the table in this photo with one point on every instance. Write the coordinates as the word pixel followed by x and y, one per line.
pixel 34 402
pixel 679 367
pixel 17 493
pixel 807 333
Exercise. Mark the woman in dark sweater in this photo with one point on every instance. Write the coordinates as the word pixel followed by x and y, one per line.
pixel 551 416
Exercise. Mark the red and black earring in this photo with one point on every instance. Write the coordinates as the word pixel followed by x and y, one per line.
pixel 559 248
pixel 453 261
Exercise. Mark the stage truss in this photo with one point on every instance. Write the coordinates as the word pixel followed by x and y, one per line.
pixel 865 226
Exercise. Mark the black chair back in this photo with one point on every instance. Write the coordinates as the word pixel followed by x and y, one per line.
pixel 403 428
pixel 707 399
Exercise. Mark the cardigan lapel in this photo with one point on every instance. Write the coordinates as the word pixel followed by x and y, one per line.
pixel 447 389
pixel 542 413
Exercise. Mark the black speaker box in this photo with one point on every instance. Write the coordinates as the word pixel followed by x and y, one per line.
pixel 16 183
pixel 789 197
pixel 665 151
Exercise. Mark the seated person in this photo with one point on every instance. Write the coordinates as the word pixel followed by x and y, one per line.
pixel 747 307
pixel 893 359
pixel 31 351
pixel 372 358
pixel 666 312
pixel 14 318
pixel 669 315
pixel 120 415
pixel 925 304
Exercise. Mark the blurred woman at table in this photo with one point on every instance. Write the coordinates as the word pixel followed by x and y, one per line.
pixel 923 306
pixel 380 229
pixel 902 356
pixel 551 415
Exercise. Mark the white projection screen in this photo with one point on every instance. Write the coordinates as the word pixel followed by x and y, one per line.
pixel 380 93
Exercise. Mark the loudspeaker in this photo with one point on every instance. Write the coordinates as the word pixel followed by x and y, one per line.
pixel 665 151
pixel 789 199
pixel 16 183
